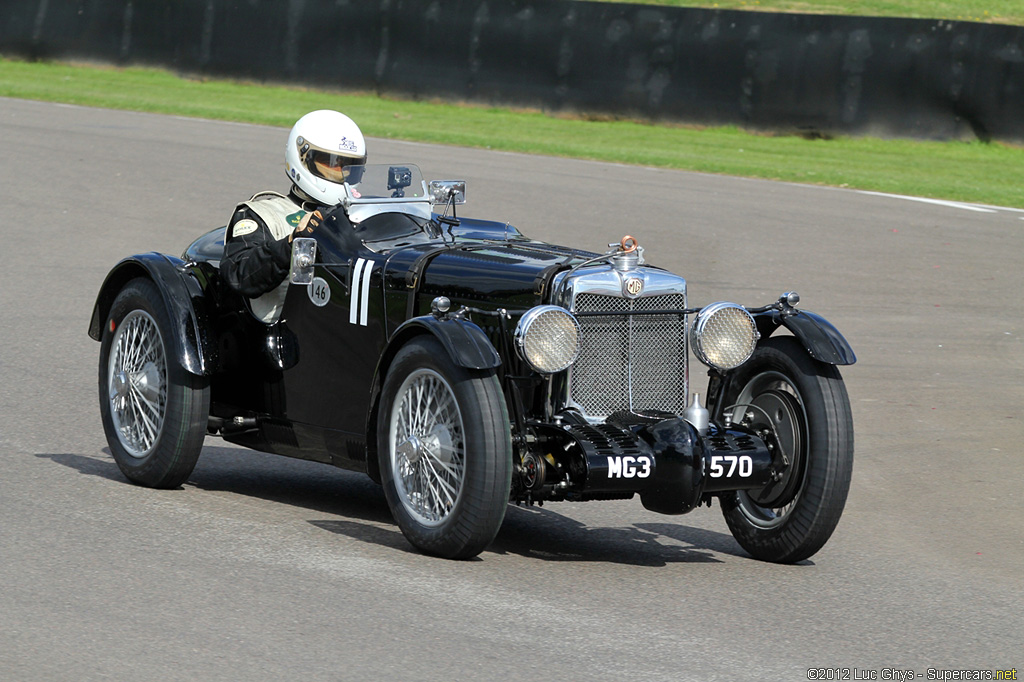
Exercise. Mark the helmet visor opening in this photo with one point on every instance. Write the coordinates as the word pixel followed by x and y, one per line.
pixel 330 166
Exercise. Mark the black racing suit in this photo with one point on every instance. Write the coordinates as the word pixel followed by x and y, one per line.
pixel 257 256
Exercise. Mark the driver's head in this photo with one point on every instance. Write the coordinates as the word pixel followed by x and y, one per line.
pixel 322 149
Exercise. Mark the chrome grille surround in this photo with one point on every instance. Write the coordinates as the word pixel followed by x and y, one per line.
pixel 627 362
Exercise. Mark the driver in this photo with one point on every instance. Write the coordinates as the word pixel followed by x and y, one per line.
pixel 257 245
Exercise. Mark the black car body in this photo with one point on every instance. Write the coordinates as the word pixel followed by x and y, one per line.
pixel 465 365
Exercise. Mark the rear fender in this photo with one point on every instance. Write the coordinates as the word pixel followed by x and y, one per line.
pixel 184 300
pixel 823 341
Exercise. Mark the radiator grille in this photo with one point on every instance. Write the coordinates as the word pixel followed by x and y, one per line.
pixel 629 362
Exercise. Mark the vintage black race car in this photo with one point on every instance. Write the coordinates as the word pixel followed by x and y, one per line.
pixel 463 366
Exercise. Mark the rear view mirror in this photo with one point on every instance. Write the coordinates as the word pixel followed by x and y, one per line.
pixel 448 191
pixel 303 257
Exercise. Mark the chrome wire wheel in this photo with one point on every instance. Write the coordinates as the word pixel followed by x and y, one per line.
pixel 154 411
pixel 445 450
pixel 777 406
pixel 137 383
pixel 427 447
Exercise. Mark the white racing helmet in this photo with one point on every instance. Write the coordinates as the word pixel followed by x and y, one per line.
pixel 321 146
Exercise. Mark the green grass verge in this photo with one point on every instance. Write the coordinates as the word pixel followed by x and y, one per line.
pixel 966 171
pixel 988 11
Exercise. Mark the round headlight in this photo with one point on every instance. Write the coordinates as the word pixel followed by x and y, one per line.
pixel 548 338
pixel 724 335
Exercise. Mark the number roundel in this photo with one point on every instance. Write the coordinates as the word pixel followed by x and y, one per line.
pixel 319 291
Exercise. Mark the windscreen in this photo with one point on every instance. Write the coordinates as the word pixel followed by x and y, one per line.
pixel 376 182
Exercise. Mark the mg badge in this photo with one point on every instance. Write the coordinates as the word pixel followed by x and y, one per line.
pixel 634 286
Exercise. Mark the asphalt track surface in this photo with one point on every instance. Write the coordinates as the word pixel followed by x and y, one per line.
pixel 265 568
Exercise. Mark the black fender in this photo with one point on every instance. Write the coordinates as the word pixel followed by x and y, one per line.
pixel 466 344
pixel 183 297
pixel 823 341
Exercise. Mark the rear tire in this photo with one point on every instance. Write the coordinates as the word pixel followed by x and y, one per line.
pixel 154 412
pixel 806 404
pixel 445 451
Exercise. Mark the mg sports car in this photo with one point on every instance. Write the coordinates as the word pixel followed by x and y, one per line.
pixel 464 366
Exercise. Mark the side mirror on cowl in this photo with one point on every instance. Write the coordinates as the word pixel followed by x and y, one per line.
pixel 303 258
pixel 447 191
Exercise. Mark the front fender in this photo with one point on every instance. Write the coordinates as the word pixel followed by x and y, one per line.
pixel 183 297
pixel 466 344
pixel 822 340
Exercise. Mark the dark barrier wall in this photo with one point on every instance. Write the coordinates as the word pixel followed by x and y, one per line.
pixel 822 74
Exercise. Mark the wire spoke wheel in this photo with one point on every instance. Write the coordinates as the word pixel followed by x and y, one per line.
pixel 445 450
pixel 154 412
pixel 428 447
pixel 137 385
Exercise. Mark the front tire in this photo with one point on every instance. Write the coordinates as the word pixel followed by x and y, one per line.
pixel 804 404
pixel 445 449
pixel 154 412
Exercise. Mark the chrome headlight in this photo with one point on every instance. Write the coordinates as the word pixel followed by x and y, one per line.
pixel 548 338
pixel 724 335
